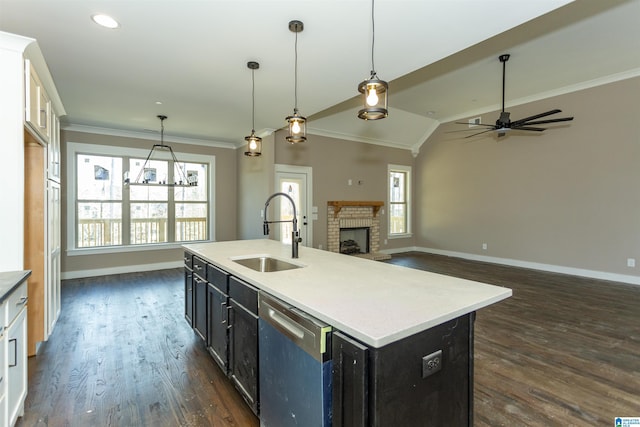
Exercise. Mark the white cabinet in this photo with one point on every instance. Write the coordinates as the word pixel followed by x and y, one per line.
pixel 53 163
pixel 14 367
pixel 37 103
pixel 52 291
pixel 3 365
pixel 41 201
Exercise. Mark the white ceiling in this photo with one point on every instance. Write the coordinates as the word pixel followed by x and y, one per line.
pixel 439 56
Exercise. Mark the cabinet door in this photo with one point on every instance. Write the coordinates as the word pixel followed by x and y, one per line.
pixel 17 363
pixel 52 296
pixel 200 306
pixel 37 112
pixel 188 296
pixel 54 149
pixel 350 382
pixel 217 342
pixel 243 352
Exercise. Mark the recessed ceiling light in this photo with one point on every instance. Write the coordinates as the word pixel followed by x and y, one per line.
pixel 105 21
pixel 158 102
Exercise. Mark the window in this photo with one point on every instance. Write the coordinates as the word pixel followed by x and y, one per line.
pixel 106 213
pixel 399 200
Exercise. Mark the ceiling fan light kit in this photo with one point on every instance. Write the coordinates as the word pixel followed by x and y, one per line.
pixel 504 123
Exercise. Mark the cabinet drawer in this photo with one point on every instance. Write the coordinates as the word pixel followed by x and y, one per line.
pixel 244 294
pixel 218 278
pixel 188 260
pixel 16 301
pixel 199 267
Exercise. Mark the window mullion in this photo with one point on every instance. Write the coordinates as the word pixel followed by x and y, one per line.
pixel 126 208
pixel 171 205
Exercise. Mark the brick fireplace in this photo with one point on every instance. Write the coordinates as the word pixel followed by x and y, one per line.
pixel 352 215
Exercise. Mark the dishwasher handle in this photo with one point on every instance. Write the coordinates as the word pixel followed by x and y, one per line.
pixel 295 331
pixel 307 332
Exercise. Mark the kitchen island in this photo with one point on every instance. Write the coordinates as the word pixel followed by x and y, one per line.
pixel 409 332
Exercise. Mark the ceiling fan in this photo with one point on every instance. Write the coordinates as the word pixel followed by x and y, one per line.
pixel 504 123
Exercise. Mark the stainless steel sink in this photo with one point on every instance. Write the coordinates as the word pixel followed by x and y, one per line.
pixel 266 264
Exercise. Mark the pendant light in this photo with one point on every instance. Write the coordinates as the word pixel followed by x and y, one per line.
pixel 297 123
pixel 374 91
pixel 254 143
pixel 147 175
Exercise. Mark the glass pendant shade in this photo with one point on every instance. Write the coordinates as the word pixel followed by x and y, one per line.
pixel 254 143
pixel 374 91
pixel 297 124
pixel 374 98
pixel 297 128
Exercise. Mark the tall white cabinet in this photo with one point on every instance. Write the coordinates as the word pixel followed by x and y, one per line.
pixel 42 202
pixel 30 108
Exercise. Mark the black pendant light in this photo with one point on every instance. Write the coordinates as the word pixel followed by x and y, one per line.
pixel 254 143
pixel 374 91
pixel 297 123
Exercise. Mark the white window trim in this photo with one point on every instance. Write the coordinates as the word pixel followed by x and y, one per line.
pixel 74 148
pixel 407 170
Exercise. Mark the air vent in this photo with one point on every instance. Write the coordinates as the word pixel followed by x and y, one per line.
pixel 474 122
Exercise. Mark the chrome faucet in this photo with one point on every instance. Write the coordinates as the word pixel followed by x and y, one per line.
pixel 295 234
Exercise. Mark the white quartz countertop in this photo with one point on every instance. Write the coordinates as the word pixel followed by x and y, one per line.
pixel 9 280
pixel 374 302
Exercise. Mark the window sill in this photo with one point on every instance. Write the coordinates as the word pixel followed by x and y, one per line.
pixel 400 236
pixel 130 248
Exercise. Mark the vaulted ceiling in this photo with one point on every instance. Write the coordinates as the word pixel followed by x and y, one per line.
pixel 439 56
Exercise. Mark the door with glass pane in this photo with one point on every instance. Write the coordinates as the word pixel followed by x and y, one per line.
pixel 293 181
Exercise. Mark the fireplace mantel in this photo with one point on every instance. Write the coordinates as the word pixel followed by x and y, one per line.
pixel 338 204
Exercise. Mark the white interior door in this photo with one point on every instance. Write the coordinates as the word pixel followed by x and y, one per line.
pixel 296 182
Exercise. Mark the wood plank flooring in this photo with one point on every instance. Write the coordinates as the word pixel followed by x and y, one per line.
pixel 563 351
pixel 122 354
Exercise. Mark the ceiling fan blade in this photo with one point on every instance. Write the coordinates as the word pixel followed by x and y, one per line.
pixel 537 116
pixel 528 128
pixel 479 133
pixel 474 124
pixel 541 122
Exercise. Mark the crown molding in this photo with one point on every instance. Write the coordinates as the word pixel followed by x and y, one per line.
pixel 145 135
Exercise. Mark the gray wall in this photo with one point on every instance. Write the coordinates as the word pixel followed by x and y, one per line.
pixel 334 162
pixel 225 206
pixel 568 196
pixel 255 184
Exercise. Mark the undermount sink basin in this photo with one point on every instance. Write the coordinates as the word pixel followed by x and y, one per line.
pixel 266 264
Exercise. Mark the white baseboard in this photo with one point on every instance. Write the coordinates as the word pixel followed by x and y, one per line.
pixel 594 274
pixel 119 270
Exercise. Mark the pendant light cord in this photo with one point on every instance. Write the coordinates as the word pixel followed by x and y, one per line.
pixel 373 37
pixel 295 76
pixel 253 101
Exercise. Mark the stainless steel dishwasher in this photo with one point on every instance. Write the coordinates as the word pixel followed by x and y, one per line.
pixel 295 366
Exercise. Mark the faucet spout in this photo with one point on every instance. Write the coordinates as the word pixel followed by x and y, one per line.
pixel 295 234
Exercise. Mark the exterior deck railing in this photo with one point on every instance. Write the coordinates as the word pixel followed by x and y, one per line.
pixel 108 232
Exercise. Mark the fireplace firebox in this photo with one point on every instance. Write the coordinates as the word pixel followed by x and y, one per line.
pixel 354 240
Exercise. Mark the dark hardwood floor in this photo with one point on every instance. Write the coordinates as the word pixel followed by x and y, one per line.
pixel 563 351
pixel 122 354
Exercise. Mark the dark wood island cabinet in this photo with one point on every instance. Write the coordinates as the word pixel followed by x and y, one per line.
pixel 401 340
